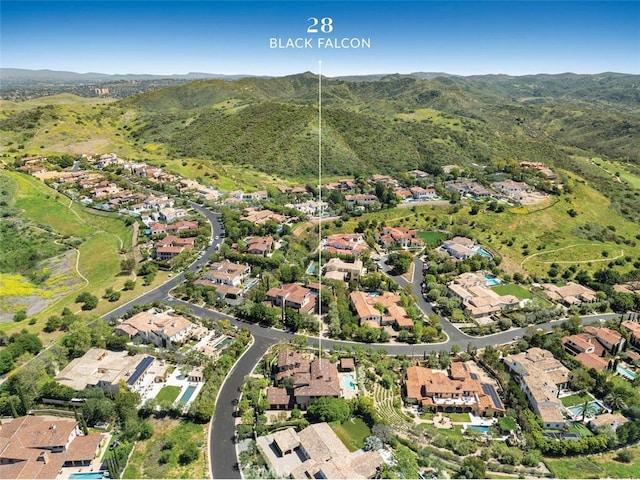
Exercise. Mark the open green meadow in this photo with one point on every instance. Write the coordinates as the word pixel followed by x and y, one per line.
pixel 93 231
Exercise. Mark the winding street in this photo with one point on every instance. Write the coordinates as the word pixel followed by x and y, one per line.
pixel 222 449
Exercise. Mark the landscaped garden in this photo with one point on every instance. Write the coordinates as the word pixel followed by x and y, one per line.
pixel 169 393
pixel 353 433
pixel 576 399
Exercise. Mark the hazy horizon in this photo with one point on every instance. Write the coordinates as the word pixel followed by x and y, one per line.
pixel 233 38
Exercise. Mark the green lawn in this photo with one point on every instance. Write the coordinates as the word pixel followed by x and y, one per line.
pixel 353 433
pixel 576 399
pixel 507 424
pixel 513 289
pixel 458 417
pixel 168 393
pixel 430 237
pixel 595 466
pixel 580 429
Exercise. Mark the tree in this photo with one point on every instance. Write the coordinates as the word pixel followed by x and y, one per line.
pixel 581 380
pixel 89 301
pixel 472 467
pixel 146 430
pixel 189 454
pixel 127 265
pixel 400 261
pixel 329 409
pixel 372 443
pixel 129 285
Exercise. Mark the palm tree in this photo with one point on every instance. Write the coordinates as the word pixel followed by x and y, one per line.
pixel 616 401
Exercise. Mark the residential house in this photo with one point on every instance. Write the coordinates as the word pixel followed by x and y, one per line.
pixel 316 452
pixel 181 226
pixel 310 380
pixel 293 296
pixel 479 300
pixel 40 447
pixel 172 246
pixel 259 216
pixel 260 246
pixel 541 377
pixel 401 237
pixel 360 199
pixel 99 368
pixel 352 244
pixel 613 420
pixel 170 214
pixel 460 248
pixel 420 194
pixel 459 390
pixel 571 294
pixel 311 207
pixel 34 160
pixel 227 273
pixel 634 330
pixel 338 269
pixel 159 328
pixel 540 167
pixel 380 310
pixel 512 189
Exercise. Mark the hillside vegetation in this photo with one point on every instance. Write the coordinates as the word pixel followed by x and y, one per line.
pixel 396 123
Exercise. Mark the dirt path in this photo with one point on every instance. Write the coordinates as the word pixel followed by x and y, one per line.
pixel 608 259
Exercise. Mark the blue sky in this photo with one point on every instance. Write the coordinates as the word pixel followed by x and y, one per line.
pixel 459 37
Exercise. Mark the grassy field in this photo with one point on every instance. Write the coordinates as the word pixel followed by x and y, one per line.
pixel 595 466
pixel 169 393
pixel 530 238
pixel 170 438
pixel 430 237
pixel 95 231
pixel 353 433
pixel 576 399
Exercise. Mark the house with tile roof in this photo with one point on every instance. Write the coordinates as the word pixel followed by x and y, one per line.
pixel 293 296
pixel 40 447
pixel 541 377
pixel 316 452
pixel 400 237
pixel 478 300
pixel 160 328
pixel 570 294
pixel 310 380
pixel 380 310
pixel 633 327
pixel 459 390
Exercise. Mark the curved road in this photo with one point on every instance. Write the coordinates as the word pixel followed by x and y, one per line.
pixel 222 449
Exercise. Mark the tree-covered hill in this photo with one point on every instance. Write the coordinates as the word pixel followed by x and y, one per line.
pixel 395 123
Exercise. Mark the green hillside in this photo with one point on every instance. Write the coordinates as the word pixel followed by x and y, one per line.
pixel 396 123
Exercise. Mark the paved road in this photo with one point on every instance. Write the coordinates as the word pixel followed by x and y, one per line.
pixel 222 452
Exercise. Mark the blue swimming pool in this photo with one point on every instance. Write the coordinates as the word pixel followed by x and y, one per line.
pixel 593 408
pixel 625 372
pixel 349 383
pixel 187 393
pixel 491 281
pixel 478 429
pixel 89 475
pixel 484 253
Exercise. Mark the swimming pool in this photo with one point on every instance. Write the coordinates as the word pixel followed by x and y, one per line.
pixel 625 372
pixel 484 253
pixel 349 383
pixel 187 393
pixel 593 408
pixel 478 428
pixel 89 475
pixel 491 281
